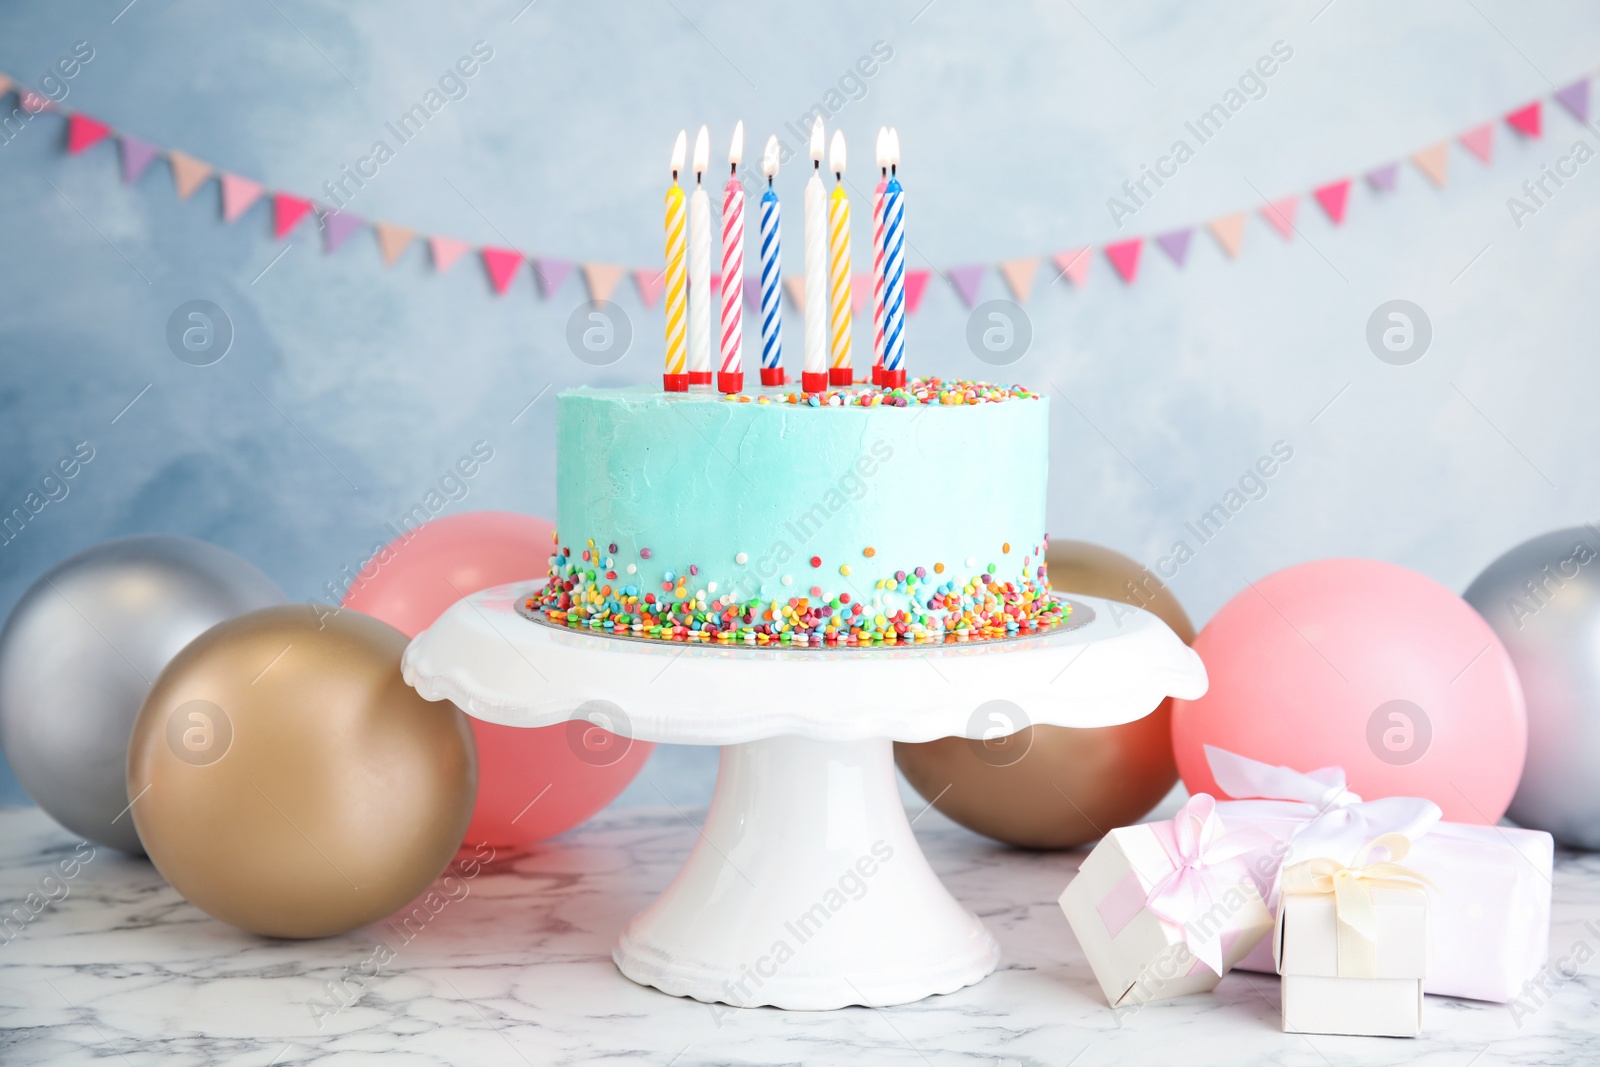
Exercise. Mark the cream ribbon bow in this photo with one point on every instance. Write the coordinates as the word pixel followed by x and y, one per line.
pixel 1354 910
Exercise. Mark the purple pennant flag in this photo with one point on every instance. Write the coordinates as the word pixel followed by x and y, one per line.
pixel 1383 178
pixel 136 157
pixel 1575 98
pixel 1176 244
pixel 337 226
pixel 966 281
pixel 551 273
pixel 752 294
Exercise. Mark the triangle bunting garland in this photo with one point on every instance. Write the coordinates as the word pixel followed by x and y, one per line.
pixel 239 194
pixel 1229 232
pixel 1018 275
pixel 137 156
pixel 1434 161
pixel 188 173
pixel 84 132
pixel 602 279
pixel 651 284
pixel 392 241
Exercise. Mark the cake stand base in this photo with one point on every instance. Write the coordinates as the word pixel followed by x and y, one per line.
pixel 806 891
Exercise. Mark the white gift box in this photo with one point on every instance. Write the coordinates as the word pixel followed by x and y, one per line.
pixel 1320 996
pixel 1491 914
pixel 1139 956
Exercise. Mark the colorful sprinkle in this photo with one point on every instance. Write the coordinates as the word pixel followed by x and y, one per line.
pixel 644 553
pixel 844 569
pixel 741 559
pixel 869 552
pixel 816 561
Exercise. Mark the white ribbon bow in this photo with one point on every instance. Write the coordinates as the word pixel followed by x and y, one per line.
pixel 1338 823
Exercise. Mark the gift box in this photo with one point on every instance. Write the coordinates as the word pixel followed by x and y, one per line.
pixel 1166 908
pixel 1490 915
pixel 1352 945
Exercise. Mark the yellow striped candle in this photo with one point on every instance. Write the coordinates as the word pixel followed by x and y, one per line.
pixel 839 371
pixel 676 376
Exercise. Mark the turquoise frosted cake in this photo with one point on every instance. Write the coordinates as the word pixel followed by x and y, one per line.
pixel 864 516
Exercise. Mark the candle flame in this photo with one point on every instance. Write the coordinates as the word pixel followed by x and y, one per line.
pixel 769 157
pixel 894 147
pixel 736 148
pixel 836 153
pixel 679 147
pixel 882 148
pixel 702 151
pixel 817 140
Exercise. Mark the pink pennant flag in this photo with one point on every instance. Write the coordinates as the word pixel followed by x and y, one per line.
pixel 1383 178
pixel 1334 197
pixel 1019 275
pixel 795 286
pixel 1434 161
pixel 446 250
pixel 188 173
pixel 237 195
pixel 1124 256
pixel 860 291
pixel 752 294
pixel 392 241
pixel 1575 98
pixel 1074 263
pixel 337 226
pixel 1480 141
pixel 1229 232
pixel 502 264
pixel 1280 215
pixel 650 283
pixel 1527 120
pixel 551 273
pixel 137 156
pixel 916 285
pixel 602 279
pixel 33 102
pixel 966 280
pixel 1176 244
pixel 287 211
pixel 84 132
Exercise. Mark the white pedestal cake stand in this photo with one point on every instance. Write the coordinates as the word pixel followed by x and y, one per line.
pixel 806 889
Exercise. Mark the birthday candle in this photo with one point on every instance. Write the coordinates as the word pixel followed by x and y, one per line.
pixel 877 255
pixel 700 266
pixel 839 372
pixel 814 378
pixel 730 375
pixel 771 263
pixel 894 293
pixel 675 378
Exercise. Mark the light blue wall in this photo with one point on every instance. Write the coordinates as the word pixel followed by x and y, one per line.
pixel 350 388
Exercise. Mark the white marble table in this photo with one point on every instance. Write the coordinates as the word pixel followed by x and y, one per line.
pixel 517 970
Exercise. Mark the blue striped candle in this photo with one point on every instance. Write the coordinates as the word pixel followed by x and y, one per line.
pixel 894 291
pixel 771 271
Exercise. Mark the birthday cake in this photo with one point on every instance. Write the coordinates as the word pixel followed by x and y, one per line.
pixel 864 516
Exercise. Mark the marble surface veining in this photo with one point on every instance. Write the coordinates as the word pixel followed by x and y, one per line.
pixel 515 969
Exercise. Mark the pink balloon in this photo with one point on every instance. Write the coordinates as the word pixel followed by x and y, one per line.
pixel 532 784
pixel 1366 666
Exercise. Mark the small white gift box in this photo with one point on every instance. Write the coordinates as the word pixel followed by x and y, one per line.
pixel 1163 909
pixel 1352 945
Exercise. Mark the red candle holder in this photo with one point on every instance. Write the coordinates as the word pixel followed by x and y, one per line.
pixel 730 381
pixel 699 377
pixel 838 376
pixel 894 379
pixel 675 383
pixel 877 374
pixel 773 376
pixel 813 382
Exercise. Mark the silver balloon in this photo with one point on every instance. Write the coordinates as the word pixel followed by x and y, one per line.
pixel 80 650
pixel 1543 599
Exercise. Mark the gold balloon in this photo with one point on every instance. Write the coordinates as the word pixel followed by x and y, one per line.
pixel 1071 786
pixel 286 780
